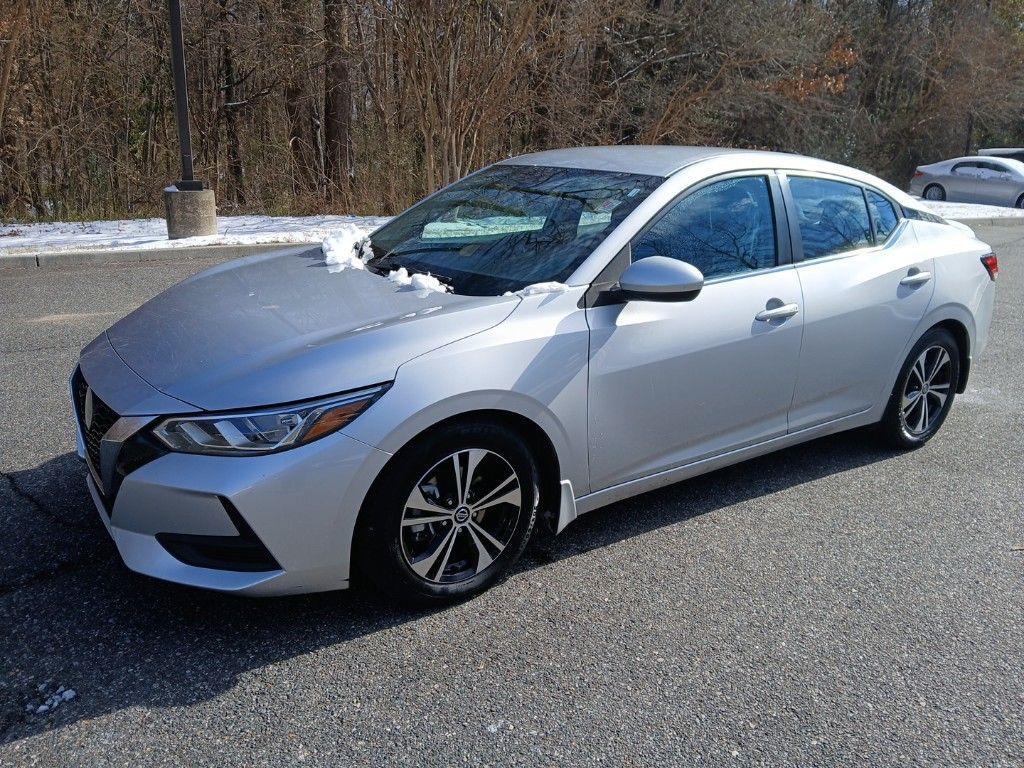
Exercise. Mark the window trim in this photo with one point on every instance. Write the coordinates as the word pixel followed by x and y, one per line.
pixel 794 225
pixel 783 255
pixel 597 292
pixel 896 209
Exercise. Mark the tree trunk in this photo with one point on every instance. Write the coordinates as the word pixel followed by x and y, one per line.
pixel 229 102
pixel 17 26
pixel 300 140
pixel 337 100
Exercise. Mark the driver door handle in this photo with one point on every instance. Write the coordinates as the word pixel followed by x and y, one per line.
pixel 918 278
pixel 777 313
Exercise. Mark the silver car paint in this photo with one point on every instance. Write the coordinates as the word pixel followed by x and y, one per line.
pixel 533 362
pixel 672 383
pixel 986 188
pixel 282 327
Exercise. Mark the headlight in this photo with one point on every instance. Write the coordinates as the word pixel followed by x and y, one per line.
pixel 265 430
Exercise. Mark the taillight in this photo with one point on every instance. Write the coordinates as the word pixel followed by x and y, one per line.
pixel 991 264
pixel 918 174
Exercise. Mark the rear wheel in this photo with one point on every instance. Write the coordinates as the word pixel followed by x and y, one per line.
pixel 1020 202
pixel 924 390
pixel 934 192
pixel 450 515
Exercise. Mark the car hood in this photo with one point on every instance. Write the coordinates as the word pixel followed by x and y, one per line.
pixel 282 327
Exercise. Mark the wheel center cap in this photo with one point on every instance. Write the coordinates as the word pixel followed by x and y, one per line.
pixel 461 515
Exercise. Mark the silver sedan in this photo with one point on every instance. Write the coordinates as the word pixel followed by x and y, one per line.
pixel 986 180
pixel 549 335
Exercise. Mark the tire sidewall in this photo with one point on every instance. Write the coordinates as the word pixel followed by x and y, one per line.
pixel 894 422
pixel 377 548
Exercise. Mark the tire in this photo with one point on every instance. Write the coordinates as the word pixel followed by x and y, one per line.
pixel 910 423
pixel 479 529
pixel 934 192
pixel 1020 202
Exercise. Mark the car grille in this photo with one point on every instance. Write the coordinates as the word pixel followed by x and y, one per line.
pixel 139 449
pixel 103 418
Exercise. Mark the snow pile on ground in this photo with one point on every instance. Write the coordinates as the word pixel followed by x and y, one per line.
pixel 348 248
pixel 54 700
pixel 417 281
pixel 151 234
pixel 539 288
pixel 969 211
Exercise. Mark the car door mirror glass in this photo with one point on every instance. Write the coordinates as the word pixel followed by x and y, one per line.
pixel 659 278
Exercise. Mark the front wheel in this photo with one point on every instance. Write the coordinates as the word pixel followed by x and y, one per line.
pixel 450 515
pixel 924 391
pixel 1020 202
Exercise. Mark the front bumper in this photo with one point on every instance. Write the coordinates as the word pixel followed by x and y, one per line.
pixel 300 504
pixel 274 524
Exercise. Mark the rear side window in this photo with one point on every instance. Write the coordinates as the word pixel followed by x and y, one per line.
pixel 884 214
pixel 722 229
pixel 832 215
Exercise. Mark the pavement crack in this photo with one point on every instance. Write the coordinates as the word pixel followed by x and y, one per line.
pixel 21 493
pixel 68 566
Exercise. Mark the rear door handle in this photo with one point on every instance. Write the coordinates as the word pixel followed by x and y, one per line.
pixel 777 313
pixel 918 278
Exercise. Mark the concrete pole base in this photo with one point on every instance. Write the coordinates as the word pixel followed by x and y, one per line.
pixel 190 213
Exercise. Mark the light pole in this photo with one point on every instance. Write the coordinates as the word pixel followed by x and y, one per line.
pixel 191 209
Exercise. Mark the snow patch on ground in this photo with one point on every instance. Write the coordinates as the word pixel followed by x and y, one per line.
pixel 54 700
pixel 151 234
pixel 949 210
pixel 539 288
pixel 349 248
pixel 417 281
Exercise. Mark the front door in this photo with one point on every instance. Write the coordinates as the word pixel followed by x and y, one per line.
pixel 671 383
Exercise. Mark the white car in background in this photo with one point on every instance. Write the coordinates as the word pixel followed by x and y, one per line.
pixel 989 180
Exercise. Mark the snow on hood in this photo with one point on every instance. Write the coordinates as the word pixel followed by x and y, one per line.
pixel 348 248
pixel 417 281
pixel 539 288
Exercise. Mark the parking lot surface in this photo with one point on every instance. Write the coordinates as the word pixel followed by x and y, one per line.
pixel 835 603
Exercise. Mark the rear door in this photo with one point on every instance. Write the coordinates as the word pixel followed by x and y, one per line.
pixel 1002 183
pixel 866 285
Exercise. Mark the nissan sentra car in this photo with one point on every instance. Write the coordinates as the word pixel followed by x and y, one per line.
pixel 553 333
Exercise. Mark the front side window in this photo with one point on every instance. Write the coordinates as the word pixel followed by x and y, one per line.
pixel 884 214
pixel 832 215
pixel 510 226
pixel 722 229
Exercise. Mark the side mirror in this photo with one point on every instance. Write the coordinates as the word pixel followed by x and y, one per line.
pixel 659 278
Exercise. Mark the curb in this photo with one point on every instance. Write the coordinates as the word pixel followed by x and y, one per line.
pixel 58 259
pixel 1001 221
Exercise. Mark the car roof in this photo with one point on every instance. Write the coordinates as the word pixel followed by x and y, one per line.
pixel 653 160
pixel 664 161
pixel 976 159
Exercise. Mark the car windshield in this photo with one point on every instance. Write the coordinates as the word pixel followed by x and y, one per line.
pixel 509 226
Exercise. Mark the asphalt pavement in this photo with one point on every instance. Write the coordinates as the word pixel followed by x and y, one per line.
pixel 836 603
